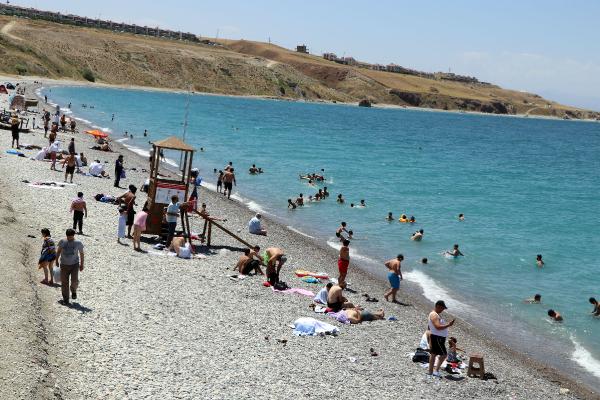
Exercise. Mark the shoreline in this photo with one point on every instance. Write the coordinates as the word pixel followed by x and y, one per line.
pixel 415 290
pixel 71 82
pixel 364 279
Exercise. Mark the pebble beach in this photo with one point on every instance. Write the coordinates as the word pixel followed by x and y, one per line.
pixel 153 326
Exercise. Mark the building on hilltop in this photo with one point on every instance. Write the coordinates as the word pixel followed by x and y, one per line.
pixel 302 49
pixel 330 56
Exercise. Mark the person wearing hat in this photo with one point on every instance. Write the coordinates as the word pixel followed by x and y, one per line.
pixel 439 332
pixel 254 226
pixel 14 127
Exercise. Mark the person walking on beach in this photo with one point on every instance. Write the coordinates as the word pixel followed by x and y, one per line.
pixel 228 182
pixel 394 276
pixel 139 226
pixel 128 199
pixel 14 128
pixel 79 209
pixel 71 162
pixel 118 170
pixel 344 261
pixel 47 257
pixel 439 332
pixel 220 182
pixel 71 256
pixel 172 211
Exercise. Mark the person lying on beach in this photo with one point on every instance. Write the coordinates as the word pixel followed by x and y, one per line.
pixel 344 261
pixel 321 297
pixel 291 204
pixel 47 257
pixel 596 310
pixel 555 315
pixel 254 226
pixel 537 299
pixel 181 247
pixel 417 236
pixel 300 200
pixel 340 199
pixel 336 300
pixel 246 264
pixel 390 217
pixel 455 252
pixel 97 169
pixel 539 262
pixel 358 315
pixel 274 258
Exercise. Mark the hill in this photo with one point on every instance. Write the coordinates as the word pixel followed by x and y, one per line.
pixel 48 49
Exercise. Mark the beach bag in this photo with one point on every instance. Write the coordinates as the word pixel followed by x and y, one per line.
pixel 56 274
pixel 421 356
pixel 281 286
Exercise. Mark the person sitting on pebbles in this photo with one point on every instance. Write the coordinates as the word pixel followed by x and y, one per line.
pixel 182 248
pixel 248 263
pixel 336 300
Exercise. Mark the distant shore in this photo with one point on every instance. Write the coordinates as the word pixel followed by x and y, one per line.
pixel 197 290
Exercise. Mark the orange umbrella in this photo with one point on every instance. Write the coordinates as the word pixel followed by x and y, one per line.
pixel 97 133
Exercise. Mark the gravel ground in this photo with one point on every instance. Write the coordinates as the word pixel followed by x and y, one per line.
pixel 155 326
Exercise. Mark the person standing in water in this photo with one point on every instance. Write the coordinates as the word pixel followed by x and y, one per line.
pixel 539 262
pixel 228 182
pixel 394 276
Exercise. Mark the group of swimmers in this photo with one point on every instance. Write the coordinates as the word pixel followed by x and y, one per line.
pixel 555 315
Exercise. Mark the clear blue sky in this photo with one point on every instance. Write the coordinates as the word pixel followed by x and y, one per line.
pixel 547 47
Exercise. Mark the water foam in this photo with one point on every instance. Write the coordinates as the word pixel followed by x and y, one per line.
pixel 334 243
pixel 291 228
pixel 432 291
pixel 585 359
pixel 85 121
pixel 107 130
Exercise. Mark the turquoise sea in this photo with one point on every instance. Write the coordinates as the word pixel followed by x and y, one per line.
pixel 526 186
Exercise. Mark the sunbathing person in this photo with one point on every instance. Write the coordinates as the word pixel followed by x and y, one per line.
pixel 336 300
pixel 357 315
pixel 181 247
pixel 246 264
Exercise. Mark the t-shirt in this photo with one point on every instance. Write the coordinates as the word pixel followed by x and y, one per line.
pixel 96 169
pixel 70 251
pixel 54 147
pixel 140 219
pixel 172 208
pixel 254 225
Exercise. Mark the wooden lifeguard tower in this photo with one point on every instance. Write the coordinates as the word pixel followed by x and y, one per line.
pixel 163 186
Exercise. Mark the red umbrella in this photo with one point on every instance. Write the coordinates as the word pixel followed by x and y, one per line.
pixel 97 133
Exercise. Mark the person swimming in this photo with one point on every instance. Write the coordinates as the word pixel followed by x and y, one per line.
pixel 340 229
pixel 291 204
pixel 403 219
pixel 537 299
pixel 417 236
pixel 362 204
pixel 461 217
pixel 424 260
pixel 555 315
pixel 340 199
pixel 539 262
pixel 412 220
pixel 389 217
pixel 455 252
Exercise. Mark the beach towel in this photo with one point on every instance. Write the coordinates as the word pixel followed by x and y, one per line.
pixel 321 297
pixel 309 327
pixel 303 292
pixel 310 279
pixel 45 186
pixel 340 316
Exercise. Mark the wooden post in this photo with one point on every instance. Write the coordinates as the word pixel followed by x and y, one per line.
pixel 209 233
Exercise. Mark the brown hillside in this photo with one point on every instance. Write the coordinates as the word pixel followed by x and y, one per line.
pixel 46 49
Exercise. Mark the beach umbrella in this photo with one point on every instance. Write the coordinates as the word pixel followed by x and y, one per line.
pixel 97 133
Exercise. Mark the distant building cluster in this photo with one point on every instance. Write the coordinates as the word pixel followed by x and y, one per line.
pixel 401 70
pixel 70 19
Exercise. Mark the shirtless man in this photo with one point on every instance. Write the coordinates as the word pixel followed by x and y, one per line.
pixel 539 262
pixel 340 229
pixel 417 236
pixel 220 182
pixel 358 315
pixel 70 169
pixel 300 200
pixel 336 300
pixel 249 262
pixel 344 261
pixel 253 170
pixel 228 182
pixel 394 276
pixel 340 199
pixel 128 199
pixel 390 217
pixel 455 252
pixel 555 315
pixel 274 259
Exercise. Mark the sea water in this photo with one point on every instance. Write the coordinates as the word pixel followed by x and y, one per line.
pixel 526 186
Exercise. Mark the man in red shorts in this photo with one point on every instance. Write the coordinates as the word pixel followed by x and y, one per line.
pixel 344 261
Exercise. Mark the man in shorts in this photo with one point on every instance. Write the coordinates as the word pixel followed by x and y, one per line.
pixel 71 162
pixel 128 199
pixel 274 258
pixel 344 261
pixel 228 182
pixel 336 300
pixel 439 332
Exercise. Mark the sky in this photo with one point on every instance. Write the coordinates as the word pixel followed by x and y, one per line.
pixel 546 47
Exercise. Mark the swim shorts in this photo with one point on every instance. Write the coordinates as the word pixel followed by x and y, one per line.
pixel 335 307
pixel 438 345
pixel 366 316
pixel 228 185
pixel 70 169
pixel 130 217
pixel 394 280
pixel 343 266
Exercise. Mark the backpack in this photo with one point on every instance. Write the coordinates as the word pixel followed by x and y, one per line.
pixel 280 286
pixel 421 356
